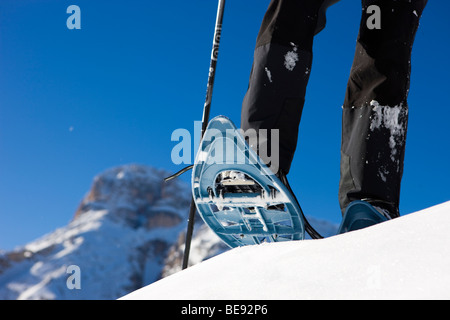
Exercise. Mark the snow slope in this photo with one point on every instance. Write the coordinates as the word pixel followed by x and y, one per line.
pixel 405 258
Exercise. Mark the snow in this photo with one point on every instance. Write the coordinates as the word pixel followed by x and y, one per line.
pixel 269 74
pixel 404 258
pixel 393 119
pixel 291 58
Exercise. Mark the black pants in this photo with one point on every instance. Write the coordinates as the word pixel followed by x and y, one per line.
pixel 375 110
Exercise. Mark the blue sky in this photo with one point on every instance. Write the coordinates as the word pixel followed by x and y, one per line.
pixel 76 102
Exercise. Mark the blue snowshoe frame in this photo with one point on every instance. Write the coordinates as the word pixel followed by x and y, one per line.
pixel 240 219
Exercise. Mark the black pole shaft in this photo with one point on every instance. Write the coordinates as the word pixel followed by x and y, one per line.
pixel 205 119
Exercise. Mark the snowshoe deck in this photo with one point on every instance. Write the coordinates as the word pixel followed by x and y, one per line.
pixel 237 195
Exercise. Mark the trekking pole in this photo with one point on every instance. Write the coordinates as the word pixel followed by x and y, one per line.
pixel 205 119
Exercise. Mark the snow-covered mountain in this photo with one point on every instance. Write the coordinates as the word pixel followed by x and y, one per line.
pixel 119 239
pixel 127 233
pixel 405 258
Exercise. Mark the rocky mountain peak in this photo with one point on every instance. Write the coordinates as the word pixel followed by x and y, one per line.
pixel 137 195
pixel 119 239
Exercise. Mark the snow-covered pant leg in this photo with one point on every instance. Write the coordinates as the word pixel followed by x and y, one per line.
pixel 375 110
pixel 280 73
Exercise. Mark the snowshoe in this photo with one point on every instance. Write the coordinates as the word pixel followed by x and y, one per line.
pixel 237 195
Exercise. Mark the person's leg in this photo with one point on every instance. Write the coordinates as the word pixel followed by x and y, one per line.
pixel 280 72
pixel 375 110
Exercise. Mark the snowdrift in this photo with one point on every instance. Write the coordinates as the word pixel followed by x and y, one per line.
pixel 405 258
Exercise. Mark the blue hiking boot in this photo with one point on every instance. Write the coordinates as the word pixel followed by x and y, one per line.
pixel 360 214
